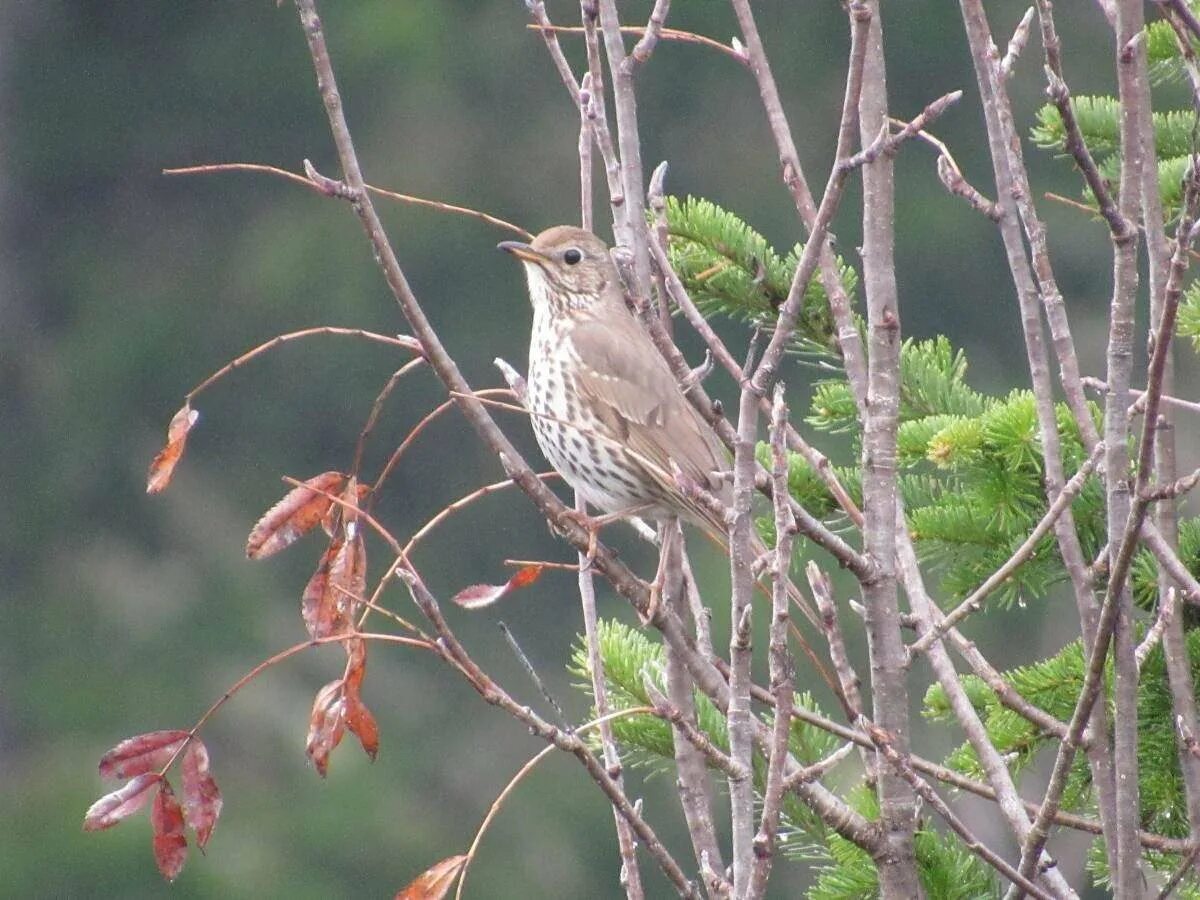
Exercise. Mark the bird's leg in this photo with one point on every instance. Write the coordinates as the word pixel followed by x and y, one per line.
pixel 593 524
pixel 668 534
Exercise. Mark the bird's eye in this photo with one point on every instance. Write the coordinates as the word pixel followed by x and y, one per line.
pixel 572 256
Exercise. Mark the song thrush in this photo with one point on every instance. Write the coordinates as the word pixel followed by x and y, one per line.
pixel 608 413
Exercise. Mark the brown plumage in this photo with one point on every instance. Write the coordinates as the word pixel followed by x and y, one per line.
pixel 608 413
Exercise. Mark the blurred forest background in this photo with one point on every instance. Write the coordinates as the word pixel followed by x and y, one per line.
pixel 121 288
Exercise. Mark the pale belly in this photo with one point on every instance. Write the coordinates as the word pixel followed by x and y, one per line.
pixel 588 461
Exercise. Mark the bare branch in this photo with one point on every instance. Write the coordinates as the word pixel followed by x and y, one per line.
pixel 626 845
pixel 739 716
pixel 634 233
pixel 781 665
pixel 650 35
pixel 885 645
pixel 1098 384
pixel 666 34
pixel 1016 44
pixel 1166 614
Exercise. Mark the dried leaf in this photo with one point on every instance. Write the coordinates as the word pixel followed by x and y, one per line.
pixel 359 719
pixel 525 577
pixel 163 465
pixel 322 605
pixel 356 663
pixel 201 798
pixel 299 512
pixel 332 519
pixel 121 803
pixel 362 723
pixel 348 578
pixel 477 596
pixel 434 882
pixel 145 753
pixel 170 842
pixel 326 725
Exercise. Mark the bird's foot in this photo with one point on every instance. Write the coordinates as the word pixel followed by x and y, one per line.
pixel 593 524
pixel 660 580
pixel 652 606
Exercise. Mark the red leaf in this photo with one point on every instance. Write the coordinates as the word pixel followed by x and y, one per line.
pixel 348 578
pixel 434 882
pixel 121 803
pixel 362 723
pixel 201 798
pixel 525 577
pixel 356 663
pixel 168 457
pixel 478 596
pixel 300 511
pixel 333 516
pixel 145 753
pixel 170 843
pixel 359 719
pixel 320 602
pixel 327 725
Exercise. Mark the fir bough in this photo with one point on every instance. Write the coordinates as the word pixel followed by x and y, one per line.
pixel 730 269
pixel 1175 134
pixel 948 871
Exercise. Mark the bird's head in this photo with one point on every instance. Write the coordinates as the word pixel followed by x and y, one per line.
pixel 567 268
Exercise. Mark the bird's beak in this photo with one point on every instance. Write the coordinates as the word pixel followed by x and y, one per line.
pixel 522 251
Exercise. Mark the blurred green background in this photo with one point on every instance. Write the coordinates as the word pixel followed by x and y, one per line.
pixel 122 288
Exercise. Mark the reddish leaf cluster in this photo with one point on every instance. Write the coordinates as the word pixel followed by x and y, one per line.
pixel 336 589
pixel 143 759
pixel 478 596
pixel 337 708
pixel 333 594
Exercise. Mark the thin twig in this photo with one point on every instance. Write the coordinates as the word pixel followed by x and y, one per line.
pixel 564 740
pixel 691 733
pixel 1166 614
pixel 848 680
pixel 394 459
pixel 377 408
pixel 382 192
pixel 666 34
pixel 520 776
pixel 1177 876
pixel 1099 384
pixel 594 111
pixel 1016 44
pixel 404 343
pixel 640 54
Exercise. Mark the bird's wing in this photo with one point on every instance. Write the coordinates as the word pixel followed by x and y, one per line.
pixel 629 381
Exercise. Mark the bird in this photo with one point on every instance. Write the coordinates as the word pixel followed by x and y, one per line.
pixel 606 409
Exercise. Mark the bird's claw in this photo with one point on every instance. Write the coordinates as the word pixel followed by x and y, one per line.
pixel 652 606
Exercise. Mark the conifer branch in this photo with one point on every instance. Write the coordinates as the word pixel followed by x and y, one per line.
pixel 974 602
